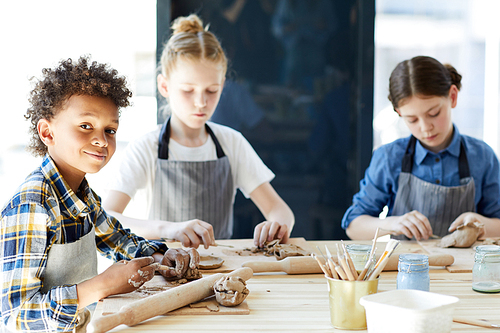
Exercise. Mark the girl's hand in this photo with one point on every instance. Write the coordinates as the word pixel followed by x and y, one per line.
pixel 412 224
pixel 126 276
pixel 268 231
pixel 180 260
pixel 467 218
pixel 192 233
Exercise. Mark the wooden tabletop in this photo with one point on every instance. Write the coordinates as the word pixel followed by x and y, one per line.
pixel 298 303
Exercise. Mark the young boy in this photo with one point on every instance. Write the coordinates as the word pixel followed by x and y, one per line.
pixel 51 227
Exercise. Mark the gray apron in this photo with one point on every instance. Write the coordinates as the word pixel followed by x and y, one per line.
pixel 187 190
pixel 440 204
pixel 72 263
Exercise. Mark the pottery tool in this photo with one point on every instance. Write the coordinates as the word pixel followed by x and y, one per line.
pixel 384 259
pixel 332 264
pixel 349 261
pixel 331 271
pixel 363 274
pixel 323 267
pixel 159 267
pixel 215 244
pixel 163 302
pixel 343 263
pixel 480 323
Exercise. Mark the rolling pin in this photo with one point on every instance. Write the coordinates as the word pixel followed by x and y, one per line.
pixel 307 264
pixel 161 303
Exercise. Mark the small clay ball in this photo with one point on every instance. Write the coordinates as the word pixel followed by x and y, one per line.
pixel 230 291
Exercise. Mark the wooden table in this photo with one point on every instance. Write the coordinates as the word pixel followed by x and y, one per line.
pixel 299 303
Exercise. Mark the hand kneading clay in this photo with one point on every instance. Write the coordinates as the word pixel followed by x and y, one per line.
pixel 230 291
pixel 464 236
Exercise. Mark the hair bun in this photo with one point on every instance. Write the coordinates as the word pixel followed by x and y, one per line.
pixel 191 23
pixel 456 78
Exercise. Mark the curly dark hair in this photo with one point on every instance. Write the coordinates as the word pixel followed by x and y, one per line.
pixel 57 85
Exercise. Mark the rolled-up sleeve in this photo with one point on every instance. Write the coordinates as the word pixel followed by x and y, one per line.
pixel 377 188
pixel 488 198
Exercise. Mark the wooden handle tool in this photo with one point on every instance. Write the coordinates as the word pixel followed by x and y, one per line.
pixel 480 323
pixel 308 265
pixel 161 303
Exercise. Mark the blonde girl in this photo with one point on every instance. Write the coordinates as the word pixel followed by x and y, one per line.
pixel 189 166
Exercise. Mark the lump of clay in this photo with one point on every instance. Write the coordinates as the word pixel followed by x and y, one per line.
pixel 230 290
pixel 464 236
pixel 191 273
pixel 281 251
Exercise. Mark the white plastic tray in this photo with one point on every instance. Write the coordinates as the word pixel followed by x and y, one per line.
pixel 409 311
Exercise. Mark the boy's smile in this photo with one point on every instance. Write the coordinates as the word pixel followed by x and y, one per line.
pixel 81 137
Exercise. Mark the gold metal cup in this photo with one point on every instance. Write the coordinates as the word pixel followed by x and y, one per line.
pixel 345 310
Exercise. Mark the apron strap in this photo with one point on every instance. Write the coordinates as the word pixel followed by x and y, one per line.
pixel 463 164
pixel 407 162
pixel 165 139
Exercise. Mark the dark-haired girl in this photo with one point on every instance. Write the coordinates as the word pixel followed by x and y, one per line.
pixel 434 180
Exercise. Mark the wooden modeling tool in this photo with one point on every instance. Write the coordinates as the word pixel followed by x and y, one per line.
pixel 323 268
pixel 331 272
pixel 349 261
pixel 331 263
pixel 343 263
pixel 480 323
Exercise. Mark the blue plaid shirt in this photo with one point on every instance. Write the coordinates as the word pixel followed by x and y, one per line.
pixel 44 207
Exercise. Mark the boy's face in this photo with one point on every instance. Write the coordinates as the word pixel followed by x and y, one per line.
pixel 81 137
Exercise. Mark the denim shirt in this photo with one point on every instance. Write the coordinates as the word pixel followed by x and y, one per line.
pixel 379 186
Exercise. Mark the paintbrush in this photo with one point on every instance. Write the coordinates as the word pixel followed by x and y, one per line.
pixel 384 259
pixel 369 261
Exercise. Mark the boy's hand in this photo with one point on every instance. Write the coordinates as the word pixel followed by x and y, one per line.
pixel 126 276
pixel 181 260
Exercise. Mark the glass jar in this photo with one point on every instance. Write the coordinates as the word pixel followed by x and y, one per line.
pixel 486 270
pixel 413 272
pixel 359 254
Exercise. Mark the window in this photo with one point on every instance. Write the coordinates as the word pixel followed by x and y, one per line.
pixel 37 34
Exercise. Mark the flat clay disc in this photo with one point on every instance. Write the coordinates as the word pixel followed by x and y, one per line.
pixel 210 262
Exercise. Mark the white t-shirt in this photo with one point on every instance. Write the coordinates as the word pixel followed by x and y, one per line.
pixel 138 167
